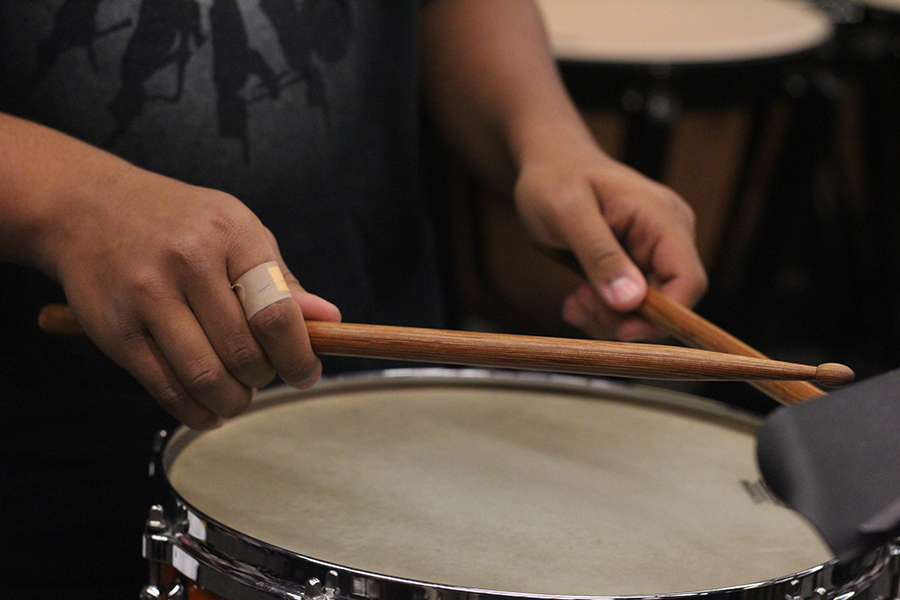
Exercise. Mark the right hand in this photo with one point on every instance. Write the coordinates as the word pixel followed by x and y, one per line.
pixel 626 230
pixel 147 267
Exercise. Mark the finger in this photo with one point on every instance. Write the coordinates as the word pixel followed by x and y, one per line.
pixel 314 308
pixel 678 271
pixel 222 318
pixel 616 278
pixel 277 323
pixel 663 245
pixel 144 360
pixel 585 310
pixel 585 315
pixel 196 365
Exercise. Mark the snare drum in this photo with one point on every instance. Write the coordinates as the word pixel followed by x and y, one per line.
pixel 428 484
pixel 694 93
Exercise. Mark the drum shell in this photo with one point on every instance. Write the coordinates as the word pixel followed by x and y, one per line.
pixel 213 560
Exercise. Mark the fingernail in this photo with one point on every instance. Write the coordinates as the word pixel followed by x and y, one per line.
pixel 623 290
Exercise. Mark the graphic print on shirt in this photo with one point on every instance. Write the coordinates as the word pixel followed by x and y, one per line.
pixel 311 34
pixel 299 41
pixel 167 33
pixel 74 27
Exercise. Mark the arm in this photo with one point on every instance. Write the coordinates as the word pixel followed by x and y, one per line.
pixel 492 83
pixel 146 263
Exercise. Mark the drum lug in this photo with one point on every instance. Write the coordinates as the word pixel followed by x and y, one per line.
pixel 316 590
pixel 894 570
pixel 798 593
pixel 157 537
pixel 170 591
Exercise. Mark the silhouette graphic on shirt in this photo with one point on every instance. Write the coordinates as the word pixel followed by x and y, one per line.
pixel 234 61
pixel 320 28
pixel 311 34
pixel 74 27
pixel 163 37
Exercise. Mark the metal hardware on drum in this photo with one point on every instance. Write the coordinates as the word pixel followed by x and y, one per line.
pixel 179 562
pixel 157 550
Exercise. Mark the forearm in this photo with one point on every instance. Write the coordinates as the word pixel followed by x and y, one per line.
pixel 492 84
pixel 44 174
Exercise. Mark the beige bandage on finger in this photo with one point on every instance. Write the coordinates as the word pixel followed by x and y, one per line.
pixel 261 286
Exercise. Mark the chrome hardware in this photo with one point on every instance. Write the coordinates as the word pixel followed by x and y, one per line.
pixel 159 440
pixel 316 590
pixel 313 590
pixel 894 570
pixel 172 591
pixel 157 550
pixel 331 589
pixel 157 538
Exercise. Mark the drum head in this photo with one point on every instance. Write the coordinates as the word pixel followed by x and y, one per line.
pixel 682 31
pixel 509 485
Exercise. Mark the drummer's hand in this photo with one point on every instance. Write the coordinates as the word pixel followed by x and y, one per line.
pixel 148 270
pixel 581 200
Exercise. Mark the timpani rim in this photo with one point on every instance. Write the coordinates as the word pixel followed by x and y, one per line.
pixel 724 31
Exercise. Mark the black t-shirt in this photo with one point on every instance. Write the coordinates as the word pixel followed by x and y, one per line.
pixel 306 110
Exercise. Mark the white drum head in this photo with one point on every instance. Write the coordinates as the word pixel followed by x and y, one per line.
pixel 522 489
pixel 682 31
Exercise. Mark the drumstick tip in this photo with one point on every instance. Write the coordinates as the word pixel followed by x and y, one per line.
pixel 834 375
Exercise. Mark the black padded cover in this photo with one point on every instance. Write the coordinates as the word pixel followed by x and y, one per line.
pixel 836 461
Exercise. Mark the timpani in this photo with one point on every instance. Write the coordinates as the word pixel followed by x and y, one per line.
pixel 694 93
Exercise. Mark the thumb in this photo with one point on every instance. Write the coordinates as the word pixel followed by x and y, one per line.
pixel 624 293
pixel 314 308
pixel 607 266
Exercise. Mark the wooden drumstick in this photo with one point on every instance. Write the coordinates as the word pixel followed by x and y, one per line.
pixel 491 350
pixel 695 331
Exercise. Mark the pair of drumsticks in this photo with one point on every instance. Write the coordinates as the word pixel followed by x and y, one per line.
pixel 713 353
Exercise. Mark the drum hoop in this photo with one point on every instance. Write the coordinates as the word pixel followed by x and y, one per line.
pixel 229 562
